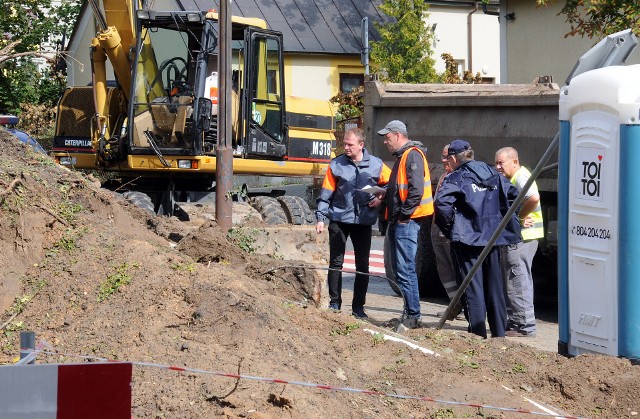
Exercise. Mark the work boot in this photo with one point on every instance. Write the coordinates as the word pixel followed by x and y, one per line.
pixel 408 323
pixel 519 333
pixel 359 313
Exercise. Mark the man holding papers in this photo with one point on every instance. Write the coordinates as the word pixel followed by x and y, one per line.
pixel 350 210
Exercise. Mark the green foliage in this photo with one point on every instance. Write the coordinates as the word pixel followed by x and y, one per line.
pixel 20 301
pixel 18 84
pixel 242 238
pixel 12 327
pixel 444 414
pixel 378 339
pixel 519 368
pixel 346 330
pixel 350 105
pixel 191 267
pixel 26 20
pixel 451 73
pixel 403 54
pixel 28 25
pixel 597 18
pixel 466 359
pixel 67 243
pixel 114 281
pixel 68 210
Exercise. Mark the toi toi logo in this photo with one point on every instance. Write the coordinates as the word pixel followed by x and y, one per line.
pixel 591 177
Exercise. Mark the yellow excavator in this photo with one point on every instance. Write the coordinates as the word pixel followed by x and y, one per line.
pixel 155 125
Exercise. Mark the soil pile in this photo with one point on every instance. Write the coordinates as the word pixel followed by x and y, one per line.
pixel 93 275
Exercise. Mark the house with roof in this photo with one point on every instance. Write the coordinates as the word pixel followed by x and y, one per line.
pixel 323 39
pixel 533 43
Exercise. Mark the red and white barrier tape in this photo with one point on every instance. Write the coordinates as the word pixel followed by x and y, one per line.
pixel 306 384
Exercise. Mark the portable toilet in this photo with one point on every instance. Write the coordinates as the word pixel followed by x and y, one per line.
pixel 599 213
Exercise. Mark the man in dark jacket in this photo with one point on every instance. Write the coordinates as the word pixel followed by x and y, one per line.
pixel 409 202
pixel 470 205
pixel 351 213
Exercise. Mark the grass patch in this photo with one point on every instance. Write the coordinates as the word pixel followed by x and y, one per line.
pixel 191 267
pixel 346 330
pixel 67 211
pixel 114 281
pixel 243 238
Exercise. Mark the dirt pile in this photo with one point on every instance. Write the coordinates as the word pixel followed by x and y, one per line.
pixel 93 275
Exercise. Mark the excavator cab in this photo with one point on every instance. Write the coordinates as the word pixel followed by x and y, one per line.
pixel 177 65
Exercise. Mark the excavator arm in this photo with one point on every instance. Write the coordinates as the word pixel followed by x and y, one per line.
pixel 115 39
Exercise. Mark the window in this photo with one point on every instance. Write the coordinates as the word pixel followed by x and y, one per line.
pixel 348 82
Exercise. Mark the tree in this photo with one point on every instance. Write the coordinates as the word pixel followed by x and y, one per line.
pixel 598 18
pixel 26 27
pixel 403 55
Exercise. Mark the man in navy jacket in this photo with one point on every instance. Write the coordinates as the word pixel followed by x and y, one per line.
pixel 470 205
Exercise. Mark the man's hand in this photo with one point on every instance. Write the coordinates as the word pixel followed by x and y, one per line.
pixel 527 221
pixel 375 202
pixel 319 227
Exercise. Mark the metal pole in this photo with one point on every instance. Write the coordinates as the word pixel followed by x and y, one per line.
pixel 364 59
pixel 27 341
pixel 465 283
pixel 224 151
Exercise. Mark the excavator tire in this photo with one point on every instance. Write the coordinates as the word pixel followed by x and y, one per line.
pixel 270 209
pixel 296 209
pixel 141 200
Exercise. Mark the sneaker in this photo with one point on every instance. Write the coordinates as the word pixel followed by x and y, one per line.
pixel 408 323
pixel 519 334
pixel 334 307
pixel 359 313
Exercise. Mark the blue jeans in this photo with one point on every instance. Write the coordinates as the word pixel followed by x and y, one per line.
pixel 403 240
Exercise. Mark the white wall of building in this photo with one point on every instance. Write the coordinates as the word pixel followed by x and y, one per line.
pixel 535 45
pixel 452 25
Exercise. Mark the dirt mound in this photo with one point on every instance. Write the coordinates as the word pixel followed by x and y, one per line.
pixel 95 276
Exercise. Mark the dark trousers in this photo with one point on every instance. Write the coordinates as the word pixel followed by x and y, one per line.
pixel 361 240
pixel 484 297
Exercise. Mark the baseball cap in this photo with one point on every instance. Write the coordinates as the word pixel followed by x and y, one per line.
pixel 394 126
pixel 458 146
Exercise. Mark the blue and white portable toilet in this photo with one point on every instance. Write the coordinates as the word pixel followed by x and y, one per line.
pixel 599 213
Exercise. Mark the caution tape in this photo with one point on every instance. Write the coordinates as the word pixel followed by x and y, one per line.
pixel 307 384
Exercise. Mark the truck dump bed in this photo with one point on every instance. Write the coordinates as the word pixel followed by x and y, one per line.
pixel 489 116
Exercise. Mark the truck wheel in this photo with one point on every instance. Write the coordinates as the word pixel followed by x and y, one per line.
pixel 141 200
pixel 391 278
pixel 270 209
pixel 296 209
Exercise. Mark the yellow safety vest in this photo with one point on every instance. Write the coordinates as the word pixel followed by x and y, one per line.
pixel 426 204
pixel 536 231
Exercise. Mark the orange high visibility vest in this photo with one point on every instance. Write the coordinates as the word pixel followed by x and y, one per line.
pixel 426 204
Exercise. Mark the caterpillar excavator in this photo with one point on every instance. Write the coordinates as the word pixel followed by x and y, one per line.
pixel 155 126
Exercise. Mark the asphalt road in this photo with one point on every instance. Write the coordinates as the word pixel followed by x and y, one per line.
pixel 383 305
